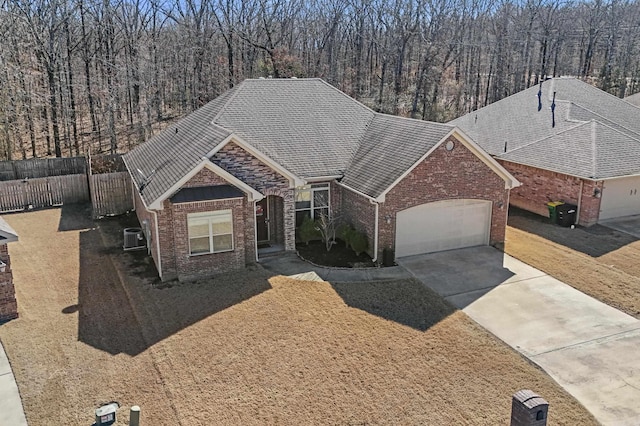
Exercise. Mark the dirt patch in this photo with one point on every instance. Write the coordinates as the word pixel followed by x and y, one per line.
pixel 248 348
pixel 339 256
pixel 601 262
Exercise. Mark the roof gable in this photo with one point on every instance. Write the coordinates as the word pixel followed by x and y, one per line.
pixel 7 234
pixel 390 146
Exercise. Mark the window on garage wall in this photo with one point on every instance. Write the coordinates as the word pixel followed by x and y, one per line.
pixel 210 232
pixel 311 201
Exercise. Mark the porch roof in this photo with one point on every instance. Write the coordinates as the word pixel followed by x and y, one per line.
pixel 206 193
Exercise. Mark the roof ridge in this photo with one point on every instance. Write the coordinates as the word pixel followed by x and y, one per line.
pixel 237 89
pixel 344 94
pixel 580 123
pixel 417 120
pixel 605 118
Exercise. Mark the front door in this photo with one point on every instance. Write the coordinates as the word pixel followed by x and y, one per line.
pixel 262 220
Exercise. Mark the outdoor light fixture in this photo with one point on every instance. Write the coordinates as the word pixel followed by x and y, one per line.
pixel 596 192
pixel 387 218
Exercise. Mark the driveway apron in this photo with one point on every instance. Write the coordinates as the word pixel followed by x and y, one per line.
pixel 589 348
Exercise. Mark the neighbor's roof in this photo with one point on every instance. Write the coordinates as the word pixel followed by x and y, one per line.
pixel 7 234
pixel 307 126
pixel 634 99
pixel 596 135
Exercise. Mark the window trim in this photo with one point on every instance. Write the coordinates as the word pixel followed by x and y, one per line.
pixel 210 215
pixel 311 188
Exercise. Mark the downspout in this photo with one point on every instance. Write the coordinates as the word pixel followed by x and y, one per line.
pixel 375 232
pixel 255 229
pixel 155 219
pixel 579 202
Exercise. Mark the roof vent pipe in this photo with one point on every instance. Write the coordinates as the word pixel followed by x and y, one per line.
pixel 553 110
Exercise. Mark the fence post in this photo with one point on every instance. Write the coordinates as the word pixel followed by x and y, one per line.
pixel 134 416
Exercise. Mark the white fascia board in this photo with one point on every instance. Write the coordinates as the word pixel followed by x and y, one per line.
pixel 510 182
pixel 206 163
pixel 380 198
pixel 7 233
pixel 293 179
pixel 355 191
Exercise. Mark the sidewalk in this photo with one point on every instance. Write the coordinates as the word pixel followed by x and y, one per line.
pixel 11 412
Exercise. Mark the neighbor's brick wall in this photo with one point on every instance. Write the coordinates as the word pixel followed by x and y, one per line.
pixel 8 303
pixel 541 186
pixel 446 175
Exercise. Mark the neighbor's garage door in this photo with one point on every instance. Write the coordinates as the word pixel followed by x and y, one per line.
pixel 442 225
pixel 620 197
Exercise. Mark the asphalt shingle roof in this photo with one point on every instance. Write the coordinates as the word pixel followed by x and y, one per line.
pixel 306 125
pixel 596 136
pixel 391 145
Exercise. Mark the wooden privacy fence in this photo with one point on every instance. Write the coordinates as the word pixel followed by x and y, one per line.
pixel 26 194
pixel 111 194
pixel 42 167
pixel 47 182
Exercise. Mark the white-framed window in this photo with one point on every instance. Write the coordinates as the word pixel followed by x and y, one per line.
pixel 311 201
pixel 210 232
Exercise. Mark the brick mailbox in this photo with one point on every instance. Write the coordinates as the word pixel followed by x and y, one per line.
pixel 528 409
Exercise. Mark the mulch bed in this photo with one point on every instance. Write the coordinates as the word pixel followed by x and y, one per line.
pixel 339 256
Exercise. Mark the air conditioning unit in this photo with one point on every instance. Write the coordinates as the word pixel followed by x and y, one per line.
pixel 134 239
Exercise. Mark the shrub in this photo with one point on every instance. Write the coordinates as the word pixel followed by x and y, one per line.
pixel 345 232
pixel 308 231
pixel 359 242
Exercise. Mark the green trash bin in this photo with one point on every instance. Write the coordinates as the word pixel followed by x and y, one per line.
pixel 553 210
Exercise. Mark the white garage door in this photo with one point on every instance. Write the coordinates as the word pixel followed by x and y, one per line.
pixel 620 197
pixel 442 225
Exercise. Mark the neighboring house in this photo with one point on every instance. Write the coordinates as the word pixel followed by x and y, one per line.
pixel 582 149
pixel 8 304
pixel 242 172
pixel 634 99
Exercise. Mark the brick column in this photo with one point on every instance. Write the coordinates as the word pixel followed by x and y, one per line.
pixel 8 303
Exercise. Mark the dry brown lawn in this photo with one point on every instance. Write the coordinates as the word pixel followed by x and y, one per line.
pixel 95 326
pixel 598 261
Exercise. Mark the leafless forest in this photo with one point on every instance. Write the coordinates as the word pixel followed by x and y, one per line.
pixel 104 75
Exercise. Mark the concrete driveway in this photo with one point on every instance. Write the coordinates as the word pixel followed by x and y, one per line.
pixel 628 224
pixel 589 348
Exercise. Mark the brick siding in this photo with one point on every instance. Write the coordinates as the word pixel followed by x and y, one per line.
pixel 360 213
pixel 205 265
pixel 444 175
pixel 541 186
pixel 8 303
pixel 258 175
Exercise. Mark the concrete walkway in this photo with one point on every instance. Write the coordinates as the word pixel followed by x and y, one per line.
pixel 589 348
pixel 290 264
pixel 11 412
